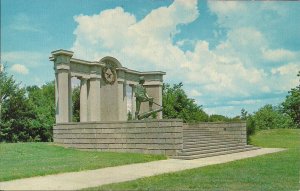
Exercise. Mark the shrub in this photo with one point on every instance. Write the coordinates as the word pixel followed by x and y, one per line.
pixel 269 117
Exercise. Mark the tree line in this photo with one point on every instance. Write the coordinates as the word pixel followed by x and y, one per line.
pixel 28 113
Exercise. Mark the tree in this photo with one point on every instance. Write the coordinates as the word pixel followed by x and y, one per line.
pixel 8 87
pixel 291 105
pixel 218 118
pixel 177 105
pixel 250 123
pixel 244 114
pixel 269 117
pixel 76 104
pixel 43 104
pixel 16 112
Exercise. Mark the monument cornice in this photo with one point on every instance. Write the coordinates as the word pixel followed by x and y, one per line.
pixel 62 52
pixel 100 63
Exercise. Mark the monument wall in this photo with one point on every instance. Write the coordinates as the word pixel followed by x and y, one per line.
pixel 146 136
pixel 232 130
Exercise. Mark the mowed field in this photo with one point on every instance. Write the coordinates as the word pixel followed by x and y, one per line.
pixel 278 171
pixel 20 160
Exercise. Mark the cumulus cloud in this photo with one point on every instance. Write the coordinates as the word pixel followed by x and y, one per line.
pixel 145 44
pixel 279 55
pixel 195 93
pixel 243 64
pixel 286 69
pixel 19 68
pixel 27 58
pixel 21 22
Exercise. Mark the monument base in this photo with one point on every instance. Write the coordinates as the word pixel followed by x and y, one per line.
pixel 143 136
pixel 153 137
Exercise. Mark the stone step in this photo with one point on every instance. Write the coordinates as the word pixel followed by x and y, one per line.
pixel 192 132
pixel 196 128
pixel 190 157
pixel 199 135
pixel 186 140
pixel 203 143
pixel 197 152
pixel 210 147
pixel 196 134
pixel 202 130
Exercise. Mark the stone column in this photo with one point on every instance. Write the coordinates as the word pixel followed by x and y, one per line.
pixel 64 114
pixel 63 89
pixel 133 101
pixel 94 99
pixel 57 117
pixel 83 100
pixel 121 100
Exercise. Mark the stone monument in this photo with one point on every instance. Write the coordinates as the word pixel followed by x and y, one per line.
pixel 103 87
pixel 103 125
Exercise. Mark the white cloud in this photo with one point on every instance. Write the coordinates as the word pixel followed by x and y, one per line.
pixel 195 93
pixel 183 42
pixel 285 77
pixel 19 68
pixel 287 69
pixel 27 58
pixel 144 45
pixel 279 55
pixel 235 68
pixel 250 101
pixel 229 110
pixel 225 7
pixel 21 22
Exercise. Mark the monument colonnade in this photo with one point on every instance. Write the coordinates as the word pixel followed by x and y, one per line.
pixel 103 88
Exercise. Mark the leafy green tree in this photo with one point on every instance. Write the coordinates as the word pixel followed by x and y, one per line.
pixel 8 87
pixel 177 105
pixel 250 123
pixel 43 103
pixel 218 118
pixel 76 104
pixel 16 112
pixel 291 105
pixel 244 114
pixel 269 117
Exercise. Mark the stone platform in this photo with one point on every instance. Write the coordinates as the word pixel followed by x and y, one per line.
pixel 144 136
pixel 169 137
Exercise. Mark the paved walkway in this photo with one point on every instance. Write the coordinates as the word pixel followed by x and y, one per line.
pixel 92 178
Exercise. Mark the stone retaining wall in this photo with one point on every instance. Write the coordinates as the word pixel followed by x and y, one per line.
pixel 149 136
pixel 233 130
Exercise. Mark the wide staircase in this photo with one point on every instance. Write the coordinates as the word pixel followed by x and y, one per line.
pixel 202 142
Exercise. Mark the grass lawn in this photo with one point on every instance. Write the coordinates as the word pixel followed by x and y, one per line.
pixel 278 171
pixel 20 160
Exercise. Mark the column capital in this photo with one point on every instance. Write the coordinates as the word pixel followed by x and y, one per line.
pixel 61 59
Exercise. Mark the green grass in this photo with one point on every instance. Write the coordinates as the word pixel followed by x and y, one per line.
pixel 20 160
pixel 278 171
pixel 277 138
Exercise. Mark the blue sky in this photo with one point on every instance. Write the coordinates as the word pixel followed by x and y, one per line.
pixel 229 55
